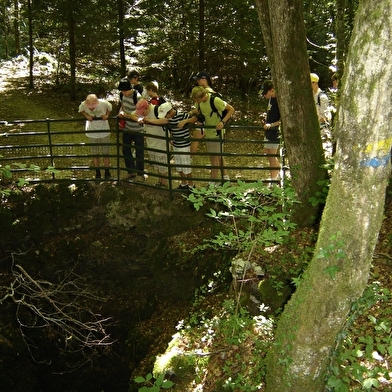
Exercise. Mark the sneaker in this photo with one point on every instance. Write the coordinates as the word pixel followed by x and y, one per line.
pixel 107 175
pixel 183 187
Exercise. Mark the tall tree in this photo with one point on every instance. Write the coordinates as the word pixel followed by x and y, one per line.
pixel 285 39
pixel 71 23
pixel 31 44
pixel 16 27
pixel 121 36
pixel 339 271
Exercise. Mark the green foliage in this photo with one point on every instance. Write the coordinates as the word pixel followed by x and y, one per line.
pixel 365 345
pixel 153 385
pixel 250 213
pixel 235 340
pixel 321 196
pixel 6 172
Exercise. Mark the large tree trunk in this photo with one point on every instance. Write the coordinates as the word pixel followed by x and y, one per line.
pixel 339 271
pixel 285 39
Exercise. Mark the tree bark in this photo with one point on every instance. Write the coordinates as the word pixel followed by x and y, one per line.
pixel 121 35
pixel 72 48
pixel 338 273
pixel 285 39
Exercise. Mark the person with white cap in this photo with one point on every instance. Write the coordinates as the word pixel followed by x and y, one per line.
pixel 176 122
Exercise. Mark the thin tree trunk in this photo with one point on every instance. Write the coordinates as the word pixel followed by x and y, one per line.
pixel 341 41
pixel 16 27
pixel 201 34
pixel 352 218
pixel 120 5
pixel 72 49
pixel 31 46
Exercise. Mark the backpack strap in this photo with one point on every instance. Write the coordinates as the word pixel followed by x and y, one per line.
pixel 135 96
pixel 213 107
pixel 318 97
pixel 164 127
pixel 156 111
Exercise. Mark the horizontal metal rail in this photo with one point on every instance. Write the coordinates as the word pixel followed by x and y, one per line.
pixel 62 144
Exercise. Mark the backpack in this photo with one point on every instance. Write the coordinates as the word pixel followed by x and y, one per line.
pixel 319 103
pixel 213 107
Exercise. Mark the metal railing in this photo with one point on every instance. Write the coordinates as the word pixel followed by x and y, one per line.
pixel 63 145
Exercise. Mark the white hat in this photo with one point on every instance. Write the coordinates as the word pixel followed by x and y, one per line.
pixel 164 109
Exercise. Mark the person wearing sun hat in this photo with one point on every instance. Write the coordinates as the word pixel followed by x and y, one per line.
pixel 156 146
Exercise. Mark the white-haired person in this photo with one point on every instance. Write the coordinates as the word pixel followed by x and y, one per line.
pixel 97 111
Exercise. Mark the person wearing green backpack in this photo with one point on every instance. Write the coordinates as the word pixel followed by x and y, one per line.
pixel 217 121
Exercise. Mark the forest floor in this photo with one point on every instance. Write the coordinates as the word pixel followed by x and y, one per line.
pixel 18 102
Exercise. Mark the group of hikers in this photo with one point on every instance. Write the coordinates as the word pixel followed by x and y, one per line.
pixel 145 117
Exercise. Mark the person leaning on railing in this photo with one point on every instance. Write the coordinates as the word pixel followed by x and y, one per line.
pixel 211 118
pixel 132 131
pixel 97 112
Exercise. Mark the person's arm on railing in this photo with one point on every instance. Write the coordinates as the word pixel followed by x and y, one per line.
pixel 190 120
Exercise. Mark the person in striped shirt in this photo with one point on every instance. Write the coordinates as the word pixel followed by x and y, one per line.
pixel 176 121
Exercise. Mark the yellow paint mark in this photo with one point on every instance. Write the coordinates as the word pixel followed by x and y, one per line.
pixel 382 146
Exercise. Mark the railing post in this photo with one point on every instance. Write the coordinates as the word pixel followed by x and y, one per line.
pixel 169 166
pixel 50 146
pixel 118 150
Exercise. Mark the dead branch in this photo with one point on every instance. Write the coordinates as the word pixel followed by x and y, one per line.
pixel 61 310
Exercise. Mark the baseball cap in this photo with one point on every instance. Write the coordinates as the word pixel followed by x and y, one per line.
pixel 164 109
pixel 203 75
pixel 124 85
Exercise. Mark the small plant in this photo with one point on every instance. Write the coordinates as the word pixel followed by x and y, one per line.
pixel 250 214
pixel 320 196
pixel 153 385
pixel 7 173
pixel 365 345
